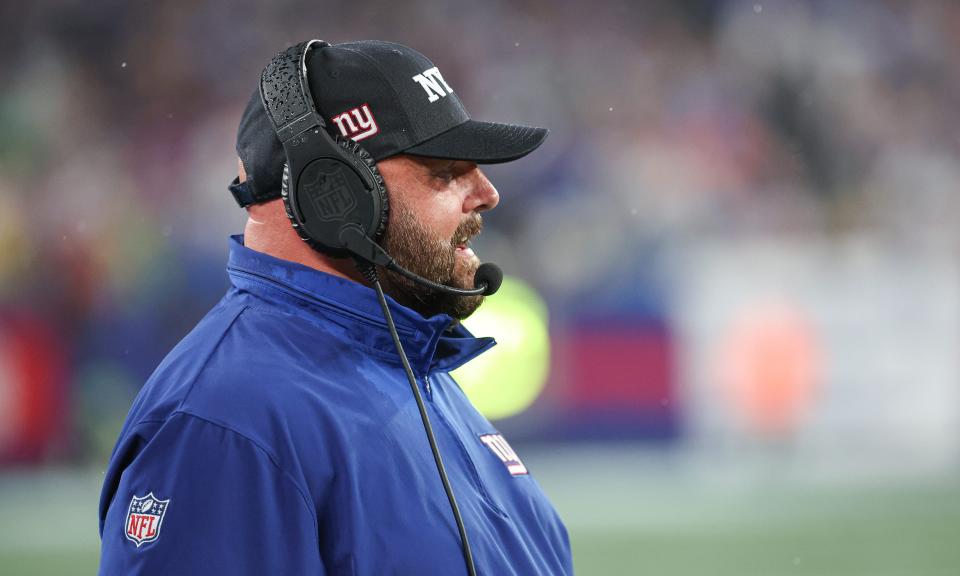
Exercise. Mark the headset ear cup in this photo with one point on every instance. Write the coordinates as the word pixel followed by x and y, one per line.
pixel 372 220
pixel 380 189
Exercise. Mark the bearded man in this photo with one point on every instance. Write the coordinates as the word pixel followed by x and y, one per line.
pixel 280 436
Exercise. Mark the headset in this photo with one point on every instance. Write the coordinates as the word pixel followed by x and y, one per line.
pixel 337 202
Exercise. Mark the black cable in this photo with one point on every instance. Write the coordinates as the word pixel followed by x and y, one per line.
pixel 371 275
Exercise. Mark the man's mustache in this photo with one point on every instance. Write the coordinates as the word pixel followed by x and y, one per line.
pixel 469 228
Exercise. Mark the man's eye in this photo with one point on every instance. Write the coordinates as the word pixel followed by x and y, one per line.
pixel 447 172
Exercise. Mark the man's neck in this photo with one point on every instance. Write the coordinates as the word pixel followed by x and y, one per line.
pixel 269 231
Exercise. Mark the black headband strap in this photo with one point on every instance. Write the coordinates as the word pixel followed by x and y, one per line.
pixel 285 92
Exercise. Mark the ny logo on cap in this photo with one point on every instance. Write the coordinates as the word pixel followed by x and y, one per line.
pixel 356 123
pixel 433 84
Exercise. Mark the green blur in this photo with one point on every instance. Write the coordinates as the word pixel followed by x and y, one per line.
pixel 656 519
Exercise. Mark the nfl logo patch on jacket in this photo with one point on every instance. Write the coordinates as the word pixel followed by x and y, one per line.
pixel 144 518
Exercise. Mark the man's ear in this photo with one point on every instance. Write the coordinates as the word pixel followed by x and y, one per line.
pixel 241 172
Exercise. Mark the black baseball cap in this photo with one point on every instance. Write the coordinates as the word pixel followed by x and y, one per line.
pixel 390 99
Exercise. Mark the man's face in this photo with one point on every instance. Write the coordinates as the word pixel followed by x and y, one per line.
pixel 435 208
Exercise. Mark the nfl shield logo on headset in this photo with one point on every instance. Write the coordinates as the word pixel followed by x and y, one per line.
pixel 330 195
pixel 144 518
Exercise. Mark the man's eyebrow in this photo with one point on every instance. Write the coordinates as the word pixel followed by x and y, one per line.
pixel 443 167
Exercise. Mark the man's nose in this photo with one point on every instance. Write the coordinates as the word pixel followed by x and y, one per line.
pixel 482 196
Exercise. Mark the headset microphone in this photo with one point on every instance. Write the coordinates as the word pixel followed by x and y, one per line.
pixel 489 275
pixel 486 280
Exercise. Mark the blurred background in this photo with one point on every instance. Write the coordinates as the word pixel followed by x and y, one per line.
pixel 729 336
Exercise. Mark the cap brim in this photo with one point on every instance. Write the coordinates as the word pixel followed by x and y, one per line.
pixel 482 142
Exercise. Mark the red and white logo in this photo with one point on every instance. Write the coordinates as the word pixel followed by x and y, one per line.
pixel 144 518
pixel 356 123
pixel 499 446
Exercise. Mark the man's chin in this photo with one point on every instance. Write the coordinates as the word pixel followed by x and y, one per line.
pixel 462 307
pixel 429 302
pixel 465 272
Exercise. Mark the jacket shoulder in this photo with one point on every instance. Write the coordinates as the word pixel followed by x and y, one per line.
pixel 276 377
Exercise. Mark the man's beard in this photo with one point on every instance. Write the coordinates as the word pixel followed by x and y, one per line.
pixel 419 251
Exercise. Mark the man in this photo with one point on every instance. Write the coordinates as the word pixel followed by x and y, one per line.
pixel 281 436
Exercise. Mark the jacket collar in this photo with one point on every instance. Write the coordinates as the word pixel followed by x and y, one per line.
pixel 432 344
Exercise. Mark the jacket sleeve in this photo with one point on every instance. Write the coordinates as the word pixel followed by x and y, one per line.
pixel 199 498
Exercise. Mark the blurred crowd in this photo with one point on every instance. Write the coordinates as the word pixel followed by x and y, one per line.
pixel 670 121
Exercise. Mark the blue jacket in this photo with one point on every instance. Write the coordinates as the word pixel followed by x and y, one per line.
pixel 280 437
